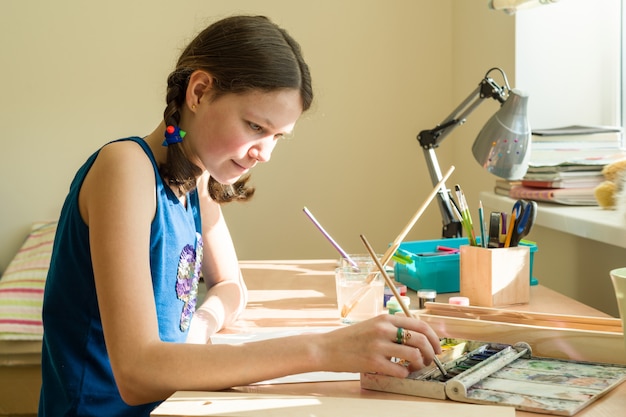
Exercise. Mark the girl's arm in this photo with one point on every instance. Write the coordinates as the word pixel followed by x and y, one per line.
pixel 226 290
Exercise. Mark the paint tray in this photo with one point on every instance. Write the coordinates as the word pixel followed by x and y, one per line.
pixel 506 375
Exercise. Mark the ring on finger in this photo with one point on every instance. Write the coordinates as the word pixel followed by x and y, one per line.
pixel 406 335
pixel 400 336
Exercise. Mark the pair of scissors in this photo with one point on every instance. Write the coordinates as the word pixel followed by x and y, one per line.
pixel 523 218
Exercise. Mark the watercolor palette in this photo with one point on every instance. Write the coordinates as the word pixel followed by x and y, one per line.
pixel 501 374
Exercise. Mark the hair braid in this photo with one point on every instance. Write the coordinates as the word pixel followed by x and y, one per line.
pixel 178 170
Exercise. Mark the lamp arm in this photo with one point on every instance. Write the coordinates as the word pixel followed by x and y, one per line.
pixel 451 225
pixel 430 139
pixel 487 88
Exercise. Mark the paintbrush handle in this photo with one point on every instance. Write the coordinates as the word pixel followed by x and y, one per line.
pixel 423 207
pixel 398 240
pixel 389 282
pixel 329 237
pixel 354 300
pixel 385 260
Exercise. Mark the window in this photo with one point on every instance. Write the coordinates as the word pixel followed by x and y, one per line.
pixel 568 59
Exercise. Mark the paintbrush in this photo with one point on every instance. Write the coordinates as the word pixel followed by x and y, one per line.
pixel 330 239
pixel 390 284
pixel 346 308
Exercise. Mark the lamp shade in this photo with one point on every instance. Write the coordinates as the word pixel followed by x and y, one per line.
pixel 503 145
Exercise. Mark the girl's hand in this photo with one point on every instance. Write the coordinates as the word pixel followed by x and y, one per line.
pixel 369 346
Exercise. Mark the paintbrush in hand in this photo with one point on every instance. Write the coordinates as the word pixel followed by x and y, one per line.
pixel 390 284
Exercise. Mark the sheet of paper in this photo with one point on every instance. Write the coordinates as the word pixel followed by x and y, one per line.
pixel 191 404
pixel 297 378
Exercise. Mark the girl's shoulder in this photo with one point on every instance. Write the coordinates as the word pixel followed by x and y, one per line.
pixel 129 144
pixel 126 165
pixel 133 151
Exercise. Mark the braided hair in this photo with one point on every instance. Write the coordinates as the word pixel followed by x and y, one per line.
pixel 242 53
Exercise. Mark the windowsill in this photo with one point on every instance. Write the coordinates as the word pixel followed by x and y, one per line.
pixel 606 226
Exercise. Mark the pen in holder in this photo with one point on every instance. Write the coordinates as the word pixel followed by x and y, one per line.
pixel 495 277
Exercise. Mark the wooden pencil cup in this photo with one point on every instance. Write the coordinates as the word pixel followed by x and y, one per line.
pixel 495 277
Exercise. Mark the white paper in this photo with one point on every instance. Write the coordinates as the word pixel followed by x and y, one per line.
pixel 297 378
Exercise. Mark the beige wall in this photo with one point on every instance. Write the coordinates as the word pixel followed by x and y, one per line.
pixel 77 74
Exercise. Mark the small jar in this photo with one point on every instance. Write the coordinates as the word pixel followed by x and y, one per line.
pixel 424 296
pixel 400 288
pixel 394 306
pixel 459 301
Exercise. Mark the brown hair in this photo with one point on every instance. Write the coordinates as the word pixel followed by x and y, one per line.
pixel 242 53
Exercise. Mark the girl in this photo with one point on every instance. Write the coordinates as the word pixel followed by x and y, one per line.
pixel 142 222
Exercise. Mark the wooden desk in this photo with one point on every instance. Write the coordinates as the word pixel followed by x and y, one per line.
pixel 302 294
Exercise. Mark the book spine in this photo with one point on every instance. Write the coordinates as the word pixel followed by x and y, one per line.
pixel 541 184
pixel 539 194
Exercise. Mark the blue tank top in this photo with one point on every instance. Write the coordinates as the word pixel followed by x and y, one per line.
pixel 76 373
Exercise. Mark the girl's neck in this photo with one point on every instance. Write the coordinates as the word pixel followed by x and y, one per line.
pixel 155 141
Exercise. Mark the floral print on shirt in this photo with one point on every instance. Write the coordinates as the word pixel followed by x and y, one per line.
pixel 187 279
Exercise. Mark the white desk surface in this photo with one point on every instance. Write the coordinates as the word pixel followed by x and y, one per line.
pixel 606 226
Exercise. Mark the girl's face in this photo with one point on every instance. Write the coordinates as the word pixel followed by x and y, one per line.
pixel 233 133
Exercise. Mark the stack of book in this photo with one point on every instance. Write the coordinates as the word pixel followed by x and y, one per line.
pixel 573 143
pixel 571 184
pixel 503 187
pixel 566 165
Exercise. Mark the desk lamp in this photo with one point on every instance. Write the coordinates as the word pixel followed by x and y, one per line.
pixel 502 146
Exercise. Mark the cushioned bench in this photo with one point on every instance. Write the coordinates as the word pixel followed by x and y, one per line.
pixel 21 330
